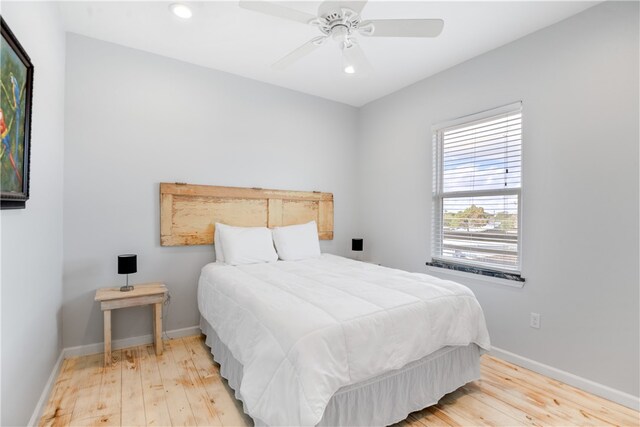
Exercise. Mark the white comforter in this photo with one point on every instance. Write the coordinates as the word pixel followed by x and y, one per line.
pixel 304 329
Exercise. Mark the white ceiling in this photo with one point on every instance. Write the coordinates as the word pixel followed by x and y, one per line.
pixel 225 37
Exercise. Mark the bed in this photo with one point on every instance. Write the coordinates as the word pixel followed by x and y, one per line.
pixel 305 338
pixel 333 341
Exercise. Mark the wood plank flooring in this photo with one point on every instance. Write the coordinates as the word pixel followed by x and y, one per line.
pixel 183 387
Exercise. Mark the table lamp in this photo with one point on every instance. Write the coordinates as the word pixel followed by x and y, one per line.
pixel 127 264
pixel 356 246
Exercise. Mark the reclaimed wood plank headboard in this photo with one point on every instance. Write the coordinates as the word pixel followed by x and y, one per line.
pixel 188 212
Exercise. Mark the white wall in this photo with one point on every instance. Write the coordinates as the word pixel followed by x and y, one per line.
pixel 135 119
pixel 32 238
pixel 578 81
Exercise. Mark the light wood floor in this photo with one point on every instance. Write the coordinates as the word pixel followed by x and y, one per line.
pixel 184 387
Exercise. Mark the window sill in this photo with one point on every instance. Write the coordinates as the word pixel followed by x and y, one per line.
pixel 506 279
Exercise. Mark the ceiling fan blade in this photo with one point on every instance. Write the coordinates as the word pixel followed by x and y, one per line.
pixel 299 53
pixel 354 61
pixel 277 10
pixel 404 27
pixel 333 5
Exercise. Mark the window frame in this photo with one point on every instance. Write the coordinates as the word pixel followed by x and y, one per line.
pixel 438 196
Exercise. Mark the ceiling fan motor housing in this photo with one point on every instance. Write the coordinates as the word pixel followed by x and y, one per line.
pixel 338 20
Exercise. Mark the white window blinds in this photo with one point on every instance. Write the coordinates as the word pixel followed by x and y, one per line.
pixel 477 186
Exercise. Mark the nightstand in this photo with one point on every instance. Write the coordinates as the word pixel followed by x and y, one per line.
pixel 143 294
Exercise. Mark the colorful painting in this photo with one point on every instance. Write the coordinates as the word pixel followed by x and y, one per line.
pixel 16 83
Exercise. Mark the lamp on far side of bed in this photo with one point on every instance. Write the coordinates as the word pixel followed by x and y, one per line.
pixel 356 246
pixel 127 264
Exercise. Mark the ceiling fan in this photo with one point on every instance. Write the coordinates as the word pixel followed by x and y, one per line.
pixel 340 20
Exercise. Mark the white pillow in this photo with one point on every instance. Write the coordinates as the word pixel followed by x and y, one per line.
pixel 246 245
pixel 297 242
pixel 217 244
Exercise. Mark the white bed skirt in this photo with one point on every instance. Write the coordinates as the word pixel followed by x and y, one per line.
pixel 382 400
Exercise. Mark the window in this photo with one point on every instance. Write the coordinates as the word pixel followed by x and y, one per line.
pixel 476 194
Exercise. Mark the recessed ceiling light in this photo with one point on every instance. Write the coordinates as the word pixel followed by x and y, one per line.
pixel 349 69
pixel 181 11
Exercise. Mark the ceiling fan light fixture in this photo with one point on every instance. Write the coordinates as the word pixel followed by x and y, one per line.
pixel 180 10
pixel 349 60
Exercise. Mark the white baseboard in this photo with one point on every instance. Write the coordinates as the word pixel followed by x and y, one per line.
pixel 48 387
pixel 625 399
pixel 83 350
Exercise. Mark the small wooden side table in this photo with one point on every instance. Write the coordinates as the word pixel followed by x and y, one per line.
pixel 143 294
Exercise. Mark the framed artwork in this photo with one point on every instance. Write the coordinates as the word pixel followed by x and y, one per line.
pixel 16 86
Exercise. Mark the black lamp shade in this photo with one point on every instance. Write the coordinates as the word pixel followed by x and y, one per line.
pixel 127 264
pixel 356 245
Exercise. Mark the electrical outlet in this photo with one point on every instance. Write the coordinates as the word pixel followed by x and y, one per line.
pixel 534 320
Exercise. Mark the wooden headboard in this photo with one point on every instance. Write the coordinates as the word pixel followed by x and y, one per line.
pixel 188 212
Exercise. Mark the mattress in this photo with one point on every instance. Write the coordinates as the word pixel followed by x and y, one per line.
pixel 303 330
pixel 382 400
